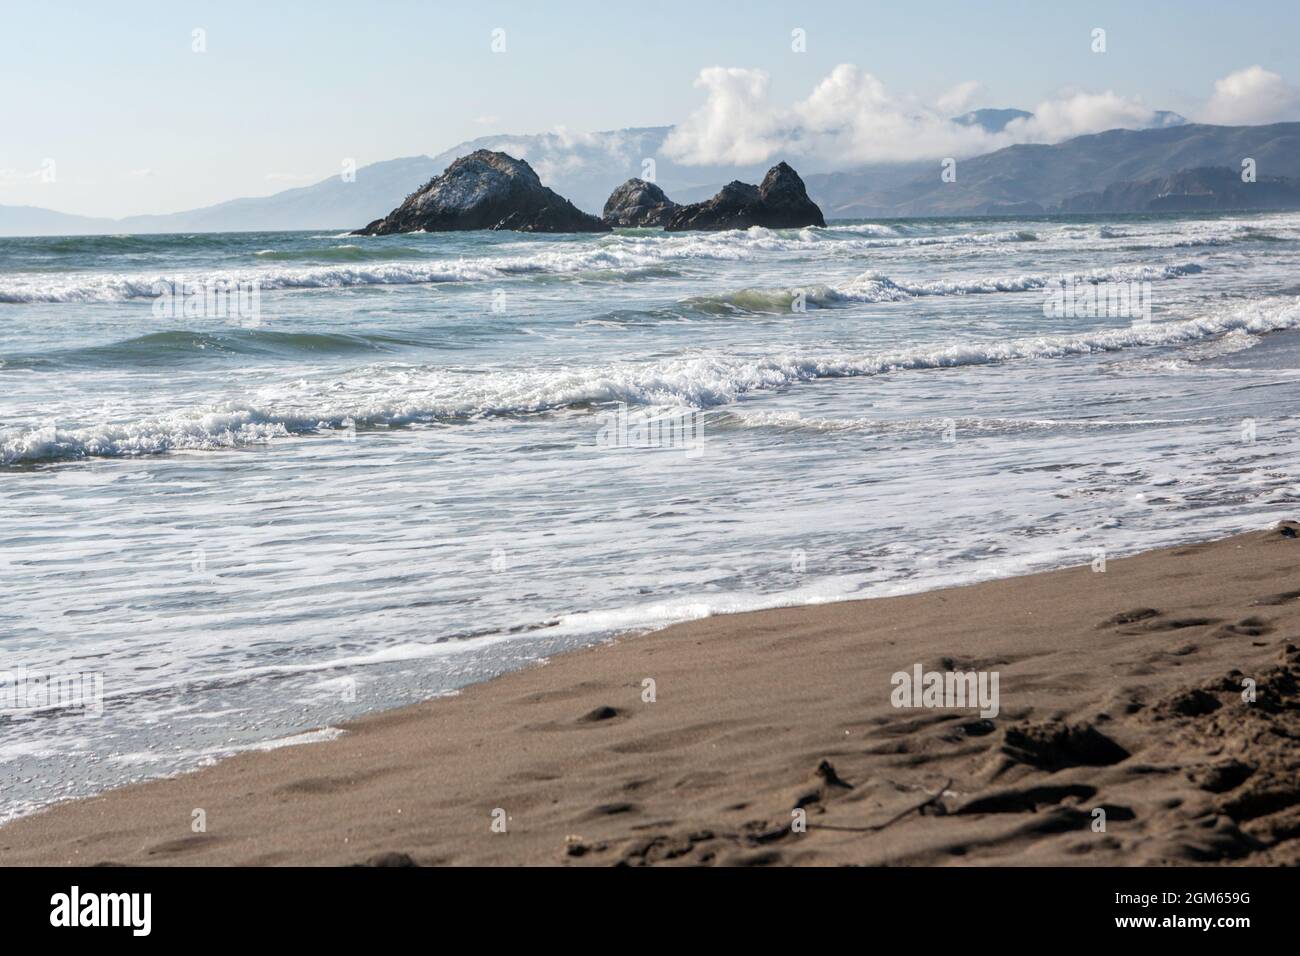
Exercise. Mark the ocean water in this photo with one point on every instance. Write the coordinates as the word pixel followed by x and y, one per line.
pixel 398 465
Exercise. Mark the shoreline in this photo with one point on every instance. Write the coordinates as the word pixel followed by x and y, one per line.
pixel 1119 692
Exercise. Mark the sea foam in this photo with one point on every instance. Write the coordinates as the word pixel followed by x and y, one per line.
pixel 406 394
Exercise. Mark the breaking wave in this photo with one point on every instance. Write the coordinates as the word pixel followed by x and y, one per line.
pixel 874 287
pixel 355 264
pixel 164 349
pixel 405 394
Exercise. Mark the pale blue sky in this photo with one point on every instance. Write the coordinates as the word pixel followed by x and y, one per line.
pixel 136 122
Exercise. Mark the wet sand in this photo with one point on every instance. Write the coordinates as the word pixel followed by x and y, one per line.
pixel 772 738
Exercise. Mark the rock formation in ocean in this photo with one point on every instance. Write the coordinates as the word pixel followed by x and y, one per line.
pixel 485 190
pixel 780 202
pixel 638 203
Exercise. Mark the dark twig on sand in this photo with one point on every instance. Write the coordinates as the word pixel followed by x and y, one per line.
pixel 932 800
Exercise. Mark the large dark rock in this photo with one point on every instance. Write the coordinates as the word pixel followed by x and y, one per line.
pixel 734 207
pixel 637 203
pixel 780 202
pixel 485 190
pixel 784 202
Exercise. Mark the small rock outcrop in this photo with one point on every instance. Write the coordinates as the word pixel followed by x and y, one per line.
pixel 637 203
pixel 485 190
pixel 779 202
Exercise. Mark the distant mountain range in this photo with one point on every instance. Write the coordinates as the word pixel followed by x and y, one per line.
pixel 1206 188
pixel 991 121
pixel 331 203
pixel 995 121
pixel 584 168
pixel 1023 179
pixel 1031 179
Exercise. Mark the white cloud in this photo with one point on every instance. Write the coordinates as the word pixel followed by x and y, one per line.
pixel 852 114
pixel 735 124
pixel 15 177
pixel 1080 113
pixel 1252 96
pixel 960 98
pixel 852 118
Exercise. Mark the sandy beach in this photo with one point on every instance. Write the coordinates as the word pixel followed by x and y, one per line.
pixel 1124 691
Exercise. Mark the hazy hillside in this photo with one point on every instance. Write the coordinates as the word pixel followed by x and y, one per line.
pixel 330 204
pixel 991 120
pixel 584 168
pixel 1204 188
pixel 35 221
pixel 1018 176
